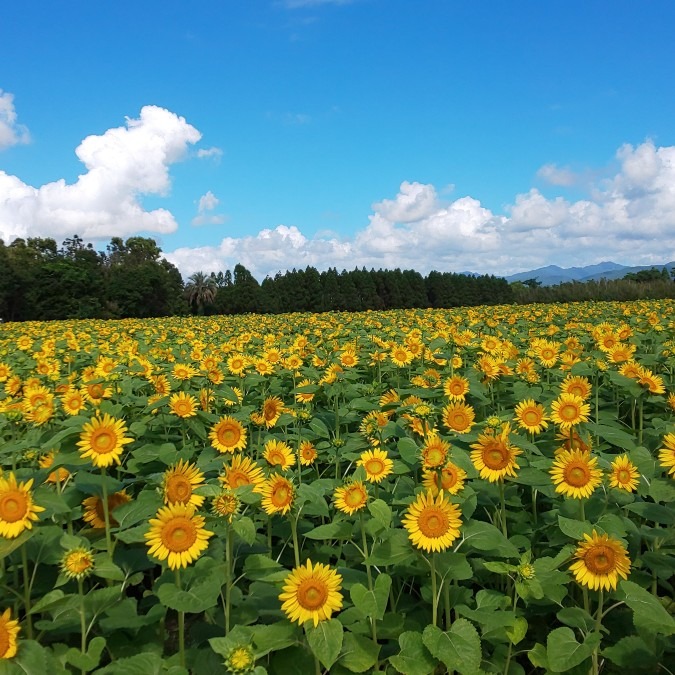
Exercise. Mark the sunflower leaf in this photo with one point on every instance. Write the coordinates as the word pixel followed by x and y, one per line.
pixel 325 641
pixel 414 658
pixel 648 613
pixel 459 648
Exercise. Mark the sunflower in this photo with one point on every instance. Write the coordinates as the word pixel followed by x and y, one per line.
pixel 304 397
pixel 93 509
pixel 236 364
pixel 278 453
pixel 240 659
pixel 272 408
pixel 179 482
pixel 400 356
pixel 432 522
pixel 458 417
pixel 600 561
pixel 183 371
pixel 494 456
pixel 5 372
pixel 348 358
pixel 95 392
pixel 311 592
pixel 228 435
pixel 73 401
pixel 568 410
pixel 242 471
pixel 183 404
pixel 103 440
pixel 653 383
pixel 624 474
pixel 225 504
pixel 277 494
pixel 77 563
pixel 376 464
pixel 59 475
pixel 452 479
pixel 577 385
pixel 667 453
pixel 575 474
pixel 435 451
pixel 456 388
pixel 307 453
pixel 17 510
pixel 571 440
pixel 351 497
pixel 531 416
pixel 178 534
pixel 9 629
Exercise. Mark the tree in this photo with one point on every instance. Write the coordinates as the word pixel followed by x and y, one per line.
pixel 200 291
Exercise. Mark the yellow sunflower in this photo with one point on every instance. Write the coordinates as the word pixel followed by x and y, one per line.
pixel 225 504
pixel 17 510
pixel 435 451
pixel 351 497
pixel 600 561
pixel 376 464
pixel 456 388
pixel 304 397
pixel 458 417
pixel 272 408
pixel 183 404
pixel 241 471
pixel 57 476
pixel 311 592
pixel 432 522
pixel 178 534
pixel 667 453
pixel 531 416
pixel 494 456
pixel 93 509
pixel 236 364
pixel 624 474
pixel 228 435
pixel 568 410
pixel 401 356
pixel 73 401
pixel 576 385
pixel 103 440
pixel 179 483
pixel 77 563
pixel 452 479
pixel 9 629
pixel 575 474
pixel 278 453
pixel 240 659
pixel 307 452
pixel 277 494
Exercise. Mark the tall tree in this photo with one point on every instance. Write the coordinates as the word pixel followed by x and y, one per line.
pixel 200 291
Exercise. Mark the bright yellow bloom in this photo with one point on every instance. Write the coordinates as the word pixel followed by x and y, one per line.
pixel 531 416
pixel 9 629
pixel 228 435
pixel 600 561
pixel 667 453
pixel 432 522
pixel 179 483
pixel 452 479
pixel 278 453
pixel 93 509
pixel 376 464
pixel 241 471
pixel 277 494
pixel 576 385
pixel 103 440
pixel 575 474
pixel 17 510
pixel 435 451
pixel 307 453
pixel 568 410
pixel 77 563
pixel 624 474
pixel 183 404
pixel 494 456
pixel 459 417
pixel 351 497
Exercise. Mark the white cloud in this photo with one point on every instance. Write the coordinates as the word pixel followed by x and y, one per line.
pixel 121 165
pixel 11 132
pixel 208 202
pixel 555 175
pixel 209 153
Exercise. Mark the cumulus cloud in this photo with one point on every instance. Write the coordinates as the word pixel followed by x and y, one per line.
pixel 121 165
pixel 210 153
pixel 208 202
pixel 555 175
pixel 11 132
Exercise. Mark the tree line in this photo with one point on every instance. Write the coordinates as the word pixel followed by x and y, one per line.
pixel 40 280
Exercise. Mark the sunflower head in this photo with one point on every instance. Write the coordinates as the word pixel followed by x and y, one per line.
pixel 351 497
pixel 599 562
pixel 240 660
pixel 77 563
pixel 17 510
pixel 432 522
pixel 9 630
pixel 575 474
pixel 179 483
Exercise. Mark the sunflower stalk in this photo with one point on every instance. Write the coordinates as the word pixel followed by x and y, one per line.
pixel 434 590
pixel 26 593
pixel 181 625
pixel 294 533
pixel 230 575
pixel 364 543
pixel 598 626
pixel 106 513
pixel 83 619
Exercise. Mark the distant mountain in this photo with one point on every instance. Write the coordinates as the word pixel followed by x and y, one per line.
pixel 552 274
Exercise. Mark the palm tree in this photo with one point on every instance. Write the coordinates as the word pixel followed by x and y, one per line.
pixel 200 290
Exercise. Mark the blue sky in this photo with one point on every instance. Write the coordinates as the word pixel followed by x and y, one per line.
pixel 486 136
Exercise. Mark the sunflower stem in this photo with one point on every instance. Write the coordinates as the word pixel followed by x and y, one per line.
pixel 373 620
pixel 582 510
pixel 294 532
pixel 26 593
pixel 598 626
pixel 640 420
pixel 181 625
pixel 434 591
pixel 228 583
pixel 502 503
pixel 106 512
pixel 446 603
pixel 83 620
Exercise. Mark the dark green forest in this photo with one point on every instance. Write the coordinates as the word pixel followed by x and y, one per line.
pixel 41 281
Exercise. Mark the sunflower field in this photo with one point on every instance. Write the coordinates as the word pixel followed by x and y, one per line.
pixel 483 490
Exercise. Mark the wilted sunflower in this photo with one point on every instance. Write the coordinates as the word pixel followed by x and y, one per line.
pixel 667 453
pixel 458 417
pixel 9 629
pixel 376 464
pixel 178 534
pixel 277 494
pixel 179 482
pixel 600 561
pixel 307 452
pixel 452 479
pixel 103 440
pixel 77 563
pixel 494 456
pixel 351 497
pixel 568 410
pixel 311 592
pixel 575 474
pixel 531 416
pixel 278 453
pixel 434 451
pixel 93 509
pixel 183 404
pixel 17 510
pixel 228 435
pixel 432 522
pixel 624 474
pixel 241 471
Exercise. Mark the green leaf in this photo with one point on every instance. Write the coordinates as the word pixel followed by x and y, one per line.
pixel 631 652
pixel 341 529
pixel 394 550
pixel 453 566
pixel 414 658
pixel 372 603
pixel 272 637
pixel 613 436
pixel 245 528
pixel 359 654
pixel 409 451
pixel 576 529
pixel 292 661
pixel 381 512
pixel 89 660
pixel 260 567
pixel 564 652
pixel 101 599
pixel 31 658
pixel 537 656
pixel 319 428
pixel 518 631
pixel 486 537
pixel 325 641
pixel 459 648
pixel 648 613
pixel 654 512
pixel 105 568
pixel 202 595
pixel 8 546
pixel 662 491
pixel 576 617
pixel 146 663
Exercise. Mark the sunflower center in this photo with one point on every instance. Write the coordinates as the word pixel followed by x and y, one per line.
pixel 600 560
pixel 374 466
pixel 13 506
pixel 434 456
pixel 179 534
pixel 433 522
pixel 276 457
pixel 577 474
pixel 269 411
pixel 531 417
pixel 459 420
pixel 281 495
pixel 95 390
pixel 354 497
pixel 496 457
pixel 178 489
pixel 229 435
pixel 78 563
pixel 237 479
pixel 103 441
pixel 312 594
pixel 448 478
pixel 568 412
pixel 623 476
pixel 4 641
